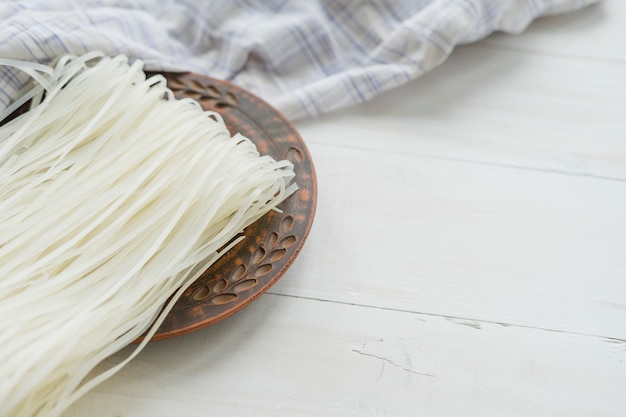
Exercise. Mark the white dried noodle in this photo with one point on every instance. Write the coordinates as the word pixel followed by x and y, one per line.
pixel 110 196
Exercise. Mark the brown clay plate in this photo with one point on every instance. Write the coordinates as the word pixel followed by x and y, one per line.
pixel 272 243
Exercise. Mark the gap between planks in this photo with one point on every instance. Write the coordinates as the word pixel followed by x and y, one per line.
pixel 466 321
pixel 481 163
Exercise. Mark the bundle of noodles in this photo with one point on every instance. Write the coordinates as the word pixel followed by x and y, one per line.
pixel 111 193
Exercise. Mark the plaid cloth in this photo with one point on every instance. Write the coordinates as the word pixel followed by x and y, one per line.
pixel 305 57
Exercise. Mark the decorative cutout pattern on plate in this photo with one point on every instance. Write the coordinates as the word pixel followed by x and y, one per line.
pixel 270 244
pixel 204 90
pixel 245 276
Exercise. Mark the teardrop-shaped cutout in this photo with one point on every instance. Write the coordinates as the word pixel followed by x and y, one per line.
pixel 201 293
pixel 257 256
pixel 245 285
pixel 286 242
pixel 220 286
pixel 194 95
pixel 196 85
pixel 272 240
pixel 277 254
pixel 262 270
pixel 238 273
pixel 224 298
pixel 286 224
pixel 230 98
pixel 213 91
pixel 294 155
pixel 175 84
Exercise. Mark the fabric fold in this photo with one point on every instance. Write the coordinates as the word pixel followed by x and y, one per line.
pixel 304 57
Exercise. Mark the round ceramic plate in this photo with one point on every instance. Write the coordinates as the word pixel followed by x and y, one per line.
pixel 272 243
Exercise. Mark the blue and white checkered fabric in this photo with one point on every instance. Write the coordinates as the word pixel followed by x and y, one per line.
pixel 305 57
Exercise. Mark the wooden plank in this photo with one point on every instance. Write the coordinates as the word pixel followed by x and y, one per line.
pixel 292 357
pixel 593 33
pixel 467 240
pixel 497 107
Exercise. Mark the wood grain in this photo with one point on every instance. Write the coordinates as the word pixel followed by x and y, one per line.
pixel 510 108
pixel 468 240
pixel 277 358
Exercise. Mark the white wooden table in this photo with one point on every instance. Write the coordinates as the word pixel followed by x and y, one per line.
pixel 468 256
